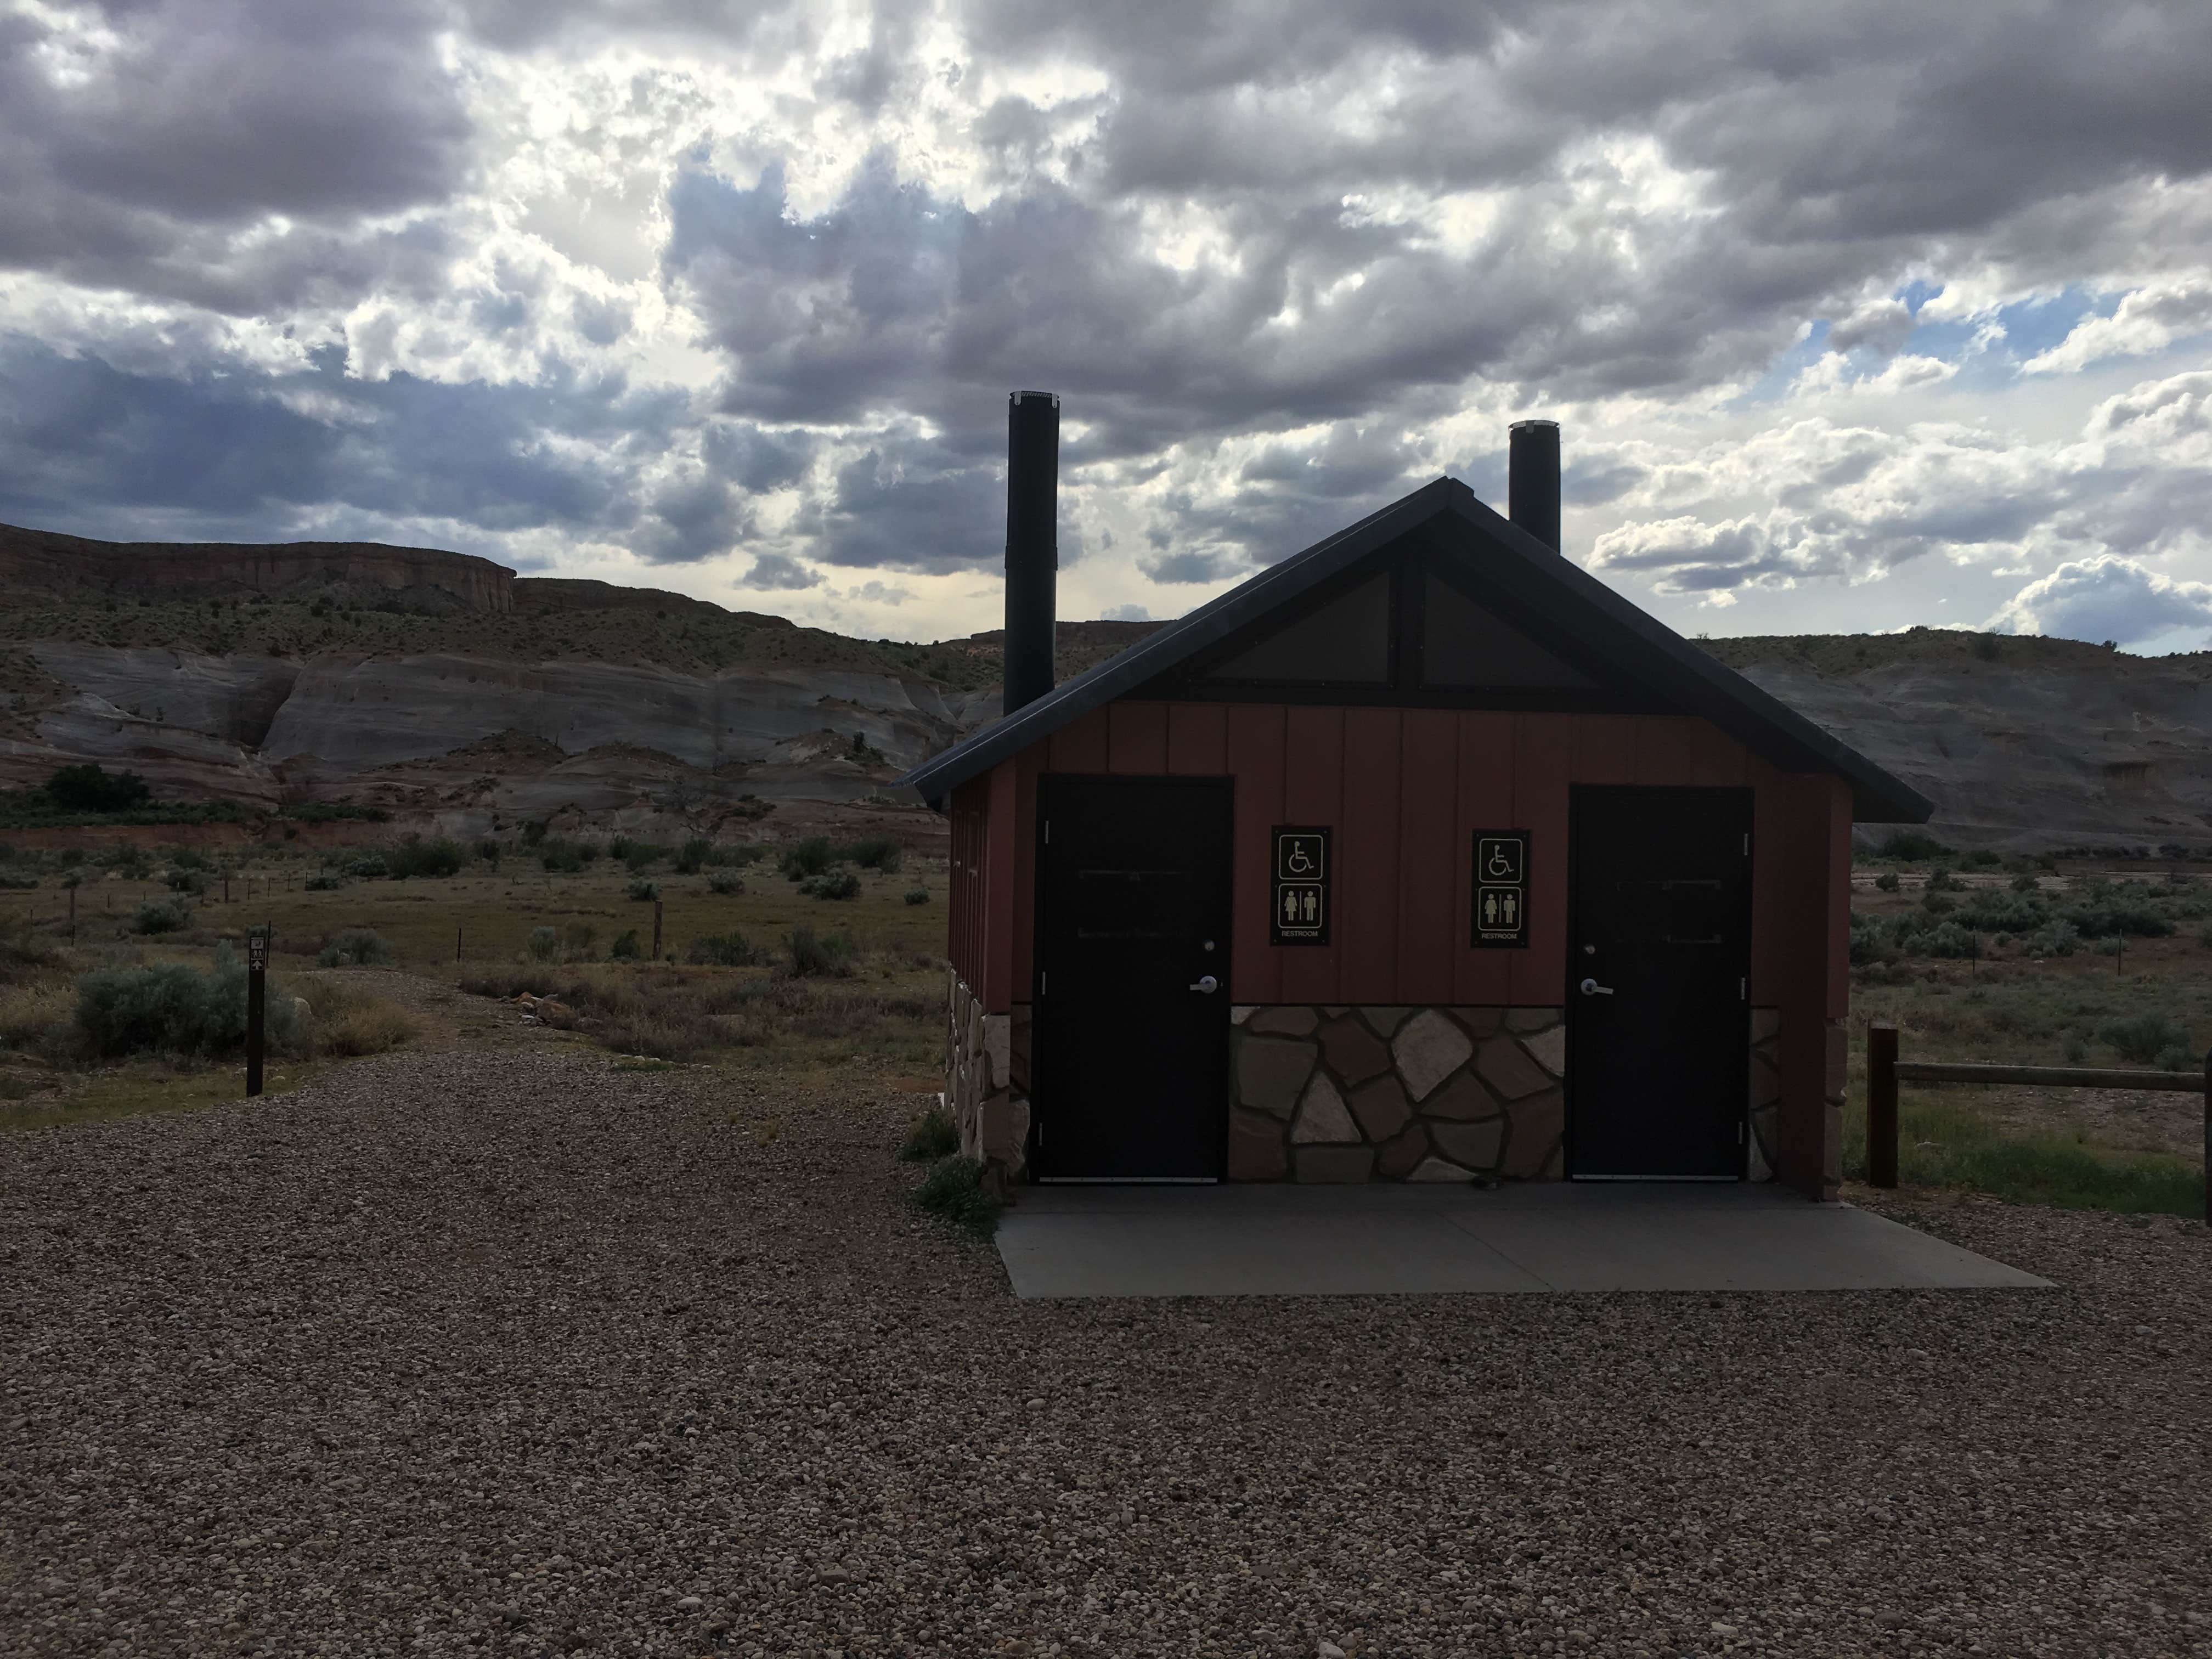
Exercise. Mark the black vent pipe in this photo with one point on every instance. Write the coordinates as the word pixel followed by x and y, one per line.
pixel 1032 548
pixel 1531 480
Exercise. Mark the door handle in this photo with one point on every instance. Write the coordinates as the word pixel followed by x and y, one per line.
pixel 1591 987
pixel 1207 984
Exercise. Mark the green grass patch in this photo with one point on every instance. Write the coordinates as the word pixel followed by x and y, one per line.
pixel 954 1188
pixel 1942 1141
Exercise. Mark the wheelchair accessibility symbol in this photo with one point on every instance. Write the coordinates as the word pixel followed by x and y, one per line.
pixel 1498 858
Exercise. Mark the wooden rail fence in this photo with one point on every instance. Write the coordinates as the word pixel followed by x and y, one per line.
pixel 1885 1071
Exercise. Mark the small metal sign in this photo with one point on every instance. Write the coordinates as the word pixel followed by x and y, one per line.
pixel 1303 873
pixel 257 948
pixel 1501 890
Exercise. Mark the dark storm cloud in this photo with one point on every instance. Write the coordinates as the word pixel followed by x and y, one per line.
pixel 89 446
pixel 773 570
pixel 208 117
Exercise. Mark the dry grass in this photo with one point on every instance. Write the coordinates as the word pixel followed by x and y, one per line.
pixel 32 1011
pixel 367 1025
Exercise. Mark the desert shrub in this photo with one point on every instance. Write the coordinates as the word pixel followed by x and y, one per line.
pixel 365 1025
pixel 1941 880
pixel 2025 881
pixel 636 855
pixel 725 884
pixel 166 917
pixel 955 1188
pixel 174 1008
pixel 322 883
pixel 186 881
pixel 643 890
pixel 725 951
pixel 544 944
pixel 1887 881
pixel 1913 845
pixel 625 947
pixel 932 1136
pixel 2144 1037
pixel 578 940
pixel 918 896
pixel 90 789
pixel 562 857
pixel 692 857
pixel 491 850
pixel 2053 939
pixel 808 857
pixel 1938 904
pixel 2118 911
pixel 415 856
pixel 356 947
pixel 836 885
pixel 368 869
pixel 829 956
pixel 874 852
pixel 17 881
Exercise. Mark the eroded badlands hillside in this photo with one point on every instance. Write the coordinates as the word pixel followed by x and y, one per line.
pixel 453 693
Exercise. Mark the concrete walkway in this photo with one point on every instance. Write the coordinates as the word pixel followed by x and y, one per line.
pixel 1380 1239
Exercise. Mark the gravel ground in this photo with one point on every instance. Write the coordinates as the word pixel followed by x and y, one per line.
pixel 503 1348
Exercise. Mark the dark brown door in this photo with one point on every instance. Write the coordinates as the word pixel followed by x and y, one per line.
pixel 1131 1035
pixel 1658 1027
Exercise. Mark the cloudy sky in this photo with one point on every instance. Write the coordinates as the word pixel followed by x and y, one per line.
pixel 1855 314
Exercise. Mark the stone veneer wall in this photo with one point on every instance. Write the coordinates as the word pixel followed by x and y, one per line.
pixel 1766 1103
pixel 1330 1093
pixel 992 1114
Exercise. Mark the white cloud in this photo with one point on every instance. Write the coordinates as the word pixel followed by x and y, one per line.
pixel 2107 597
pixel 2147 320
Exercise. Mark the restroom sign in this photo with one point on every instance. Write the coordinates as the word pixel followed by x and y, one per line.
pixel 1302 874
pixel 1501 890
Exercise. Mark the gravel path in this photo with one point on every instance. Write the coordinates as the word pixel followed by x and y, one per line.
pixel 504 1349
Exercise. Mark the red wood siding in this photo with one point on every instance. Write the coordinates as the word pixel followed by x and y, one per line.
pixel 1405 789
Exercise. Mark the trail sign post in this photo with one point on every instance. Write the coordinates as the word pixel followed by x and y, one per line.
pixel 256 987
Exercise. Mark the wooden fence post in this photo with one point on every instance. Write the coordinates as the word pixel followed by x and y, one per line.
pixel 2208 1137
pixel 1881 1104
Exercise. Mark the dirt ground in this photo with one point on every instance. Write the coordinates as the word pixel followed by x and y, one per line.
pixel 513 1345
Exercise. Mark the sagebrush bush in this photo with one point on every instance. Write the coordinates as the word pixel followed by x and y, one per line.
pixel 809 856
pixel 356 947
pixel 932 1136
pixel 174 1008
pixel 544 944
pixel 836 885
pixel 166 917
pixel 829 956
pixel 919 895
pixel 879 851
pixel 322 883
pixel 415 856
pixel 727 886
pixel 692 857
pixel 2145 1036
pixel 368 869
pixel 625 947
pixel 643 890
pixel 186 881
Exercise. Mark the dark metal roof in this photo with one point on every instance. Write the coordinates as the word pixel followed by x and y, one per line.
pixel 1642 646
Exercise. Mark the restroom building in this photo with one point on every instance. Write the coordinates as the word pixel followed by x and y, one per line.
pixel 1422 855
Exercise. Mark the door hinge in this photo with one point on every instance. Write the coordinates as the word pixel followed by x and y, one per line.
pixel 1743 990
pixel 1047 832
pixel 1746 843
pixel 1041 980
